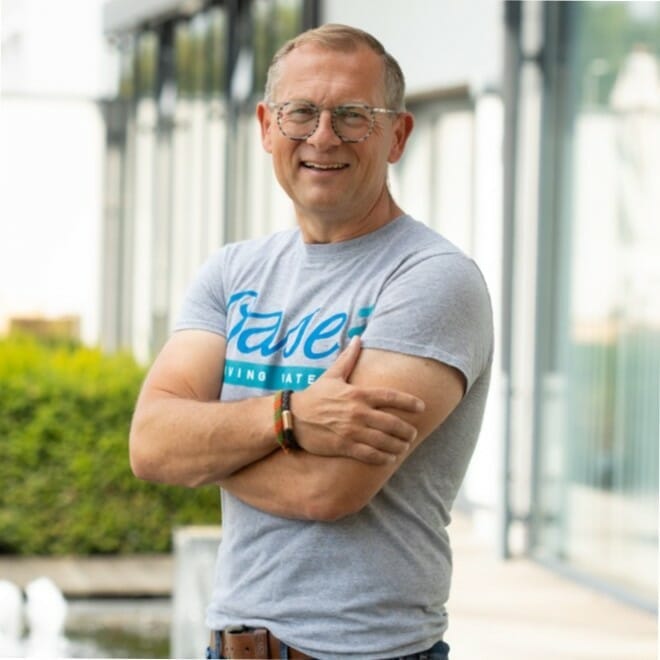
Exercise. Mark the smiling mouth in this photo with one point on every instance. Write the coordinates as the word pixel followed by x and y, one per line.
pixel 323 167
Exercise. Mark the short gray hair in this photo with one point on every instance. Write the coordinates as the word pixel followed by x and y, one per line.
pixel 343 38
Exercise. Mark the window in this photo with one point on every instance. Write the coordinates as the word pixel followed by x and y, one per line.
pixel 599 331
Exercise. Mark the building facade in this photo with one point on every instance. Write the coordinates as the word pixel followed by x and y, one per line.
pixel 535 149
pixel 55 66
pixel 582 322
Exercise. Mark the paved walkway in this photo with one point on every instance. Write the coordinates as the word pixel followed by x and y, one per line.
pixel 518 610
pixel 515 610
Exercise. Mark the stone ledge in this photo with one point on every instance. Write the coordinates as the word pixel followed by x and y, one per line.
pixel 97 576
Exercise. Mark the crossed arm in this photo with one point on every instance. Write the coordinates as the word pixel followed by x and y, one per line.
pixel 356 425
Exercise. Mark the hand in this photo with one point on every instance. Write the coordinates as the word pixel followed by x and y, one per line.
pixel 334 418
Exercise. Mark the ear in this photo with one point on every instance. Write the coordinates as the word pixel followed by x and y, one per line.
pixel 403 126
pixel 265 119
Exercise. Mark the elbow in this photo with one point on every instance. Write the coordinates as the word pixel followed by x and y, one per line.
pixel 333 506
pixel 330 497
pixel 140 468
pixel 143 460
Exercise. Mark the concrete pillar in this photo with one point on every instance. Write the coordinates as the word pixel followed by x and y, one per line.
pixel 195 550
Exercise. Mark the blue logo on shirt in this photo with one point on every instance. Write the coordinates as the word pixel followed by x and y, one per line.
pixel 262 333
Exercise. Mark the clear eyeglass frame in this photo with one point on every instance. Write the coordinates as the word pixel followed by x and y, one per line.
pixel 337 113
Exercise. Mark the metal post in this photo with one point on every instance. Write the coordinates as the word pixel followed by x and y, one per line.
pixel 511 95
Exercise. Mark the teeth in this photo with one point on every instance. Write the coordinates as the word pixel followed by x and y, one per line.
pixel 324 166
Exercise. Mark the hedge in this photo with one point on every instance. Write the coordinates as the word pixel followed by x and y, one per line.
pixel 65 482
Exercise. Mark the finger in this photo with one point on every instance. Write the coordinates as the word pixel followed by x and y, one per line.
pixel 373 445
pixel 382 442
pixel 381 397
pixel 368 454
pixel 393 428
pixel 346 361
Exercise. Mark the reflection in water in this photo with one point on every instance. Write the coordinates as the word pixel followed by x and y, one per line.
pixel 44 612
pixel 11 619
pixel 120 627
pixel 117 643
pixel 45 625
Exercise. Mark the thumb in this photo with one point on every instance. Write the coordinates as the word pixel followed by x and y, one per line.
pixel 346 360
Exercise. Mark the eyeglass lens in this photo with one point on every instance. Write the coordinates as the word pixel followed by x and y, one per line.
pixel 299 121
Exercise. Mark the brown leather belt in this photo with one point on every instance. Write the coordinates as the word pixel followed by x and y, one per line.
pixel 253 643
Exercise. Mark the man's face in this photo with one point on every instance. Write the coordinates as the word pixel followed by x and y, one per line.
pixel 327 179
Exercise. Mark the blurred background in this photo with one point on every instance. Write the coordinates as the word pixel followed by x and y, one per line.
pixel 129 152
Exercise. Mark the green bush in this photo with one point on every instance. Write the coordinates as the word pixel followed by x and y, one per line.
pixel 65 482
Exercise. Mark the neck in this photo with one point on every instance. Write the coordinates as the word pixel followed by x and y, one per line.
pixel 328 228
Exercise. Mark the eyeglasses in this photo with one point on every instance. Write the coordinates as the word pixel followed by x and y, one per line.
pixel 353 122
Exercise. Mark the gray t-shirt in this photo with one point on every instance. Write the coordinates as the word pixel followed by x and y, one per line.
pixel 373 584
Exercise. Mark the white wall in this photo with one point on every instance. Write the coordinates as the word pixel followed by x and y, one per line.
pixel 438 43
pixel 57 48
pixel 50 210
pixel 55 65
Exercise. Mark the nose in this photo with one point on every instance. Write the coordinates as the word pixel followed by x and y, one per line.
pixel 324 137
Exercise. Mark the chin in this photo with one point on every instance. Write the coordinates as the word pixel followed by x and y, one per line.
pixel 321 206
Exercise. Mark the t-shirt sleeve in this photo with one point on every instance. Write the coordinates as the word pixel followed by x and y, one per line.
pixel 436 307
pixel 204 306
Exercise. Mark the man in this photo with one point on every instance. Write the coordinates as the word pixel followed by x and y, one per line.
pixel 334 542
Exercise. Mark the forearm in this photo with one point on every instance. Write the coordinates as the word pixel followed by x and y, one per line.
pixel 306 486
pixel 188 442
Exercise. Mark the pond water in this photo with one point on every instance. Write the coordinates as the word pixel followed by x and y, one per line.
pixel 41 623
pixel 118 628
pixel 116 643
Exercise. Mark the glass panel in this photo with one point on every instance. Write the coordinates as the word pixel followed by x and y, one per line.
pixel 216 46
pixel 217 124
pixel 435 178
pixel 183 59
pixel 147 64
pixel 264 46
pixel 598 457
pixel 198 146
pixel 274 22
pixel 127 69
pixel 258 205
